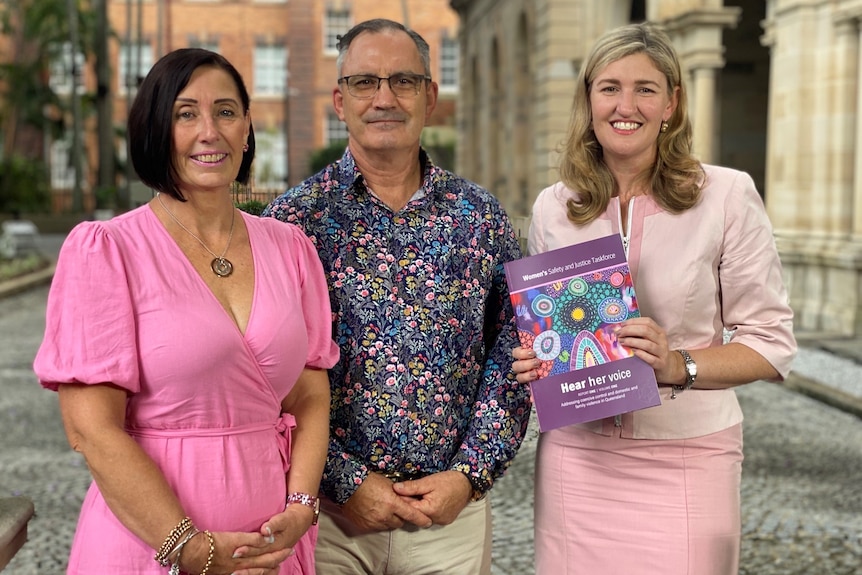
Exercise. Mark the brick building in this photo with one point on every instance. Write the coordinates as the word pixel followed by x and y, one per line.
pixel 285 51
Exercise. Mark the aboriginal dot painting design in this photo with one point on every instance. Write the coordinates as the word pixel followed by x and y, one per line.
pixel 569 323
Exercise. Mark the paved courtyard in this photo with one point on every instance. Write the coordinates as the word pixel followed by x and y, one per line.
pixel 802 476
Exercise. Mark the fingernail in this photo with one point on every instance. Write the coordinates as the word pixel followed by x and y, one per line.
pixel 270 539
pixel 236 556
pixel 268 530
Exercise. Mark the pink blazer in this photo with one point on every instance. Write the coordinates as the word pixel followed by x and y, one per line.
pixel 711 268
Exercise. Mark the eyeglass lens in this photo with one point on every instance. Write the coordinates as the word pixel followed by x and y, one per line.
pixel 362 86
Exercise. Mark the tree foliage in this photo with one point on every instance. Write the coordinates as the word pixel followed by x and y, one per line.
pixel 37 32
pixel 322 157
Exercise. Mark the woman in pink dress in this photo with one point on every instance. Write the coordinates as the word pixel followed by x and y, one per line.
pixel 657 491
pixel 189 344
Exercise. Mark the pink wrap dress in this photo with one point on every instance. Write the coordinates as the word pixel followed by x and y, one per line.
pixel 204 402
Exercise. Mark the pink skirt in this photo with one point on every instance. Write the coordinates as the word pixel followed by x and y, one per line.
pixel 612 506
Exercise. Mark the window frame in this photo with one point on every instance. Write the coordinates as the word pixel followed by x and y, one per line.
pixel 333 126
pixel 449 64
pixel 270 80
pixel 336 21
pixel 145 65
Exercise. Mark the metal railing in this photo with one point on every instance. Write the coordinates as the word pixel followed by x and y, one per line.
pixel 62 199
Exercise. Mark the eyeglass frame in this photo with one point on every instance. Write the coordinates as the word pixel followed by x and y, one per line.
pixel 346 80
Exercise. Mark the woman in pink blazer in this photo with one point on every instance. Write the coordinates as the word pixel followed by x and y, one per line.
pixel 657 490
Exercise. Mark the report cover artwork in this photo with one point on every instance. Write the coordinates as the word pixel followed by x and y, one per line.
pixel 567 302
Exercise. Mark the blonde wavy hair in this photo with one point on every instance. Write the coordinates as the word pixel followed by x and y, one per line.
pixel 676 177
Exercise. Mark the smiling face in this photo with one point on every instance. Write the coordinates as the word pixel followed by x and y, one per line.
pixel 384 123
pixel 210 128
pixel 629 99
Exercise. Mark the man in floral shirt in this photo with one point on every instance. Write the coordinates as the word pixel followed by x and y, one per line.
pixel 426 412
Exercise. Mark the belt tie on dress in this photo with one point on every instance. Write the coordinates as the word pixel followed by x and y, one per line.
pixel 283 426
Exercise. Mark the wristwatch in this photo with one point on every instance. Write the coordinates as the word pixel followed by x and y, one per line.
pixel 479 489
pixel 690 374
pixel 305 499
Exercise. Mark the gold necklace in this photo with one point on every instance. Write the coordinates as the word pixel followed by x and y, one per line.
pixel 221 266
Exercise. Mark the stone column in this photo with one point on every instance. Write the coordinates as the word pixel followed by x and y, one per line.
pixel 814 161
pixel 697 35
pixel 703 113
pixel 856 215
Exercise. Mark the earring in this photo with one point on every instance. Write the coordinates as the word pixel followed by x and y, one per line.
pixel 245 146
pixel 664 127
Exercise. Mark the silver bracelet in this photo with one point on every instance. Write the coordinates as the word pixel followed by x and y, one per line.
pixel 175 566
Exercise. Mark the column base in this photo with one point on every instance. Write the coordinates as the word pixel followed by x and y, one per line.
pixel 824 279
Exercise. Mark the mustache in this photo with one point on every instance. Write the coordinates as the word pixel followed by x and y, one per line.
pixel 384 117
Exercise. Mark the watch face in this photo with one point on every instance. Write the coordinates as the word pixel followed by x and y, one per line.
pixel 690 368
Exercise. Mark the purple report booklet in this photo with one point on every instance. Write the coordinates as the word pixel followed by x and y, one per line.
pixel 566 303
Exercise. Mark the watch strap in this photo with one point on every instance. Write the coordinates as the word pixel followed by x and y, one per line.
pixel 479 489
pixel 690 369
pixel 305 499
pixel 690 374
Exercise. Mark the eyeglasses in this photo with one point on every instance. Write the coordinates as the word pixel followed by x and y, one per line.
pixel 403 85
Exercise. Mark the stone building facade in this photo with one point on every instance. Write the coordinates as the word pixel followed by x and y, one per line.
pixel 775 89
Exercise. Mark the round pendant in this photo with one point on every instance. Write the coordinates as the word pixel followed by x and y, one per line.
pixel 221 267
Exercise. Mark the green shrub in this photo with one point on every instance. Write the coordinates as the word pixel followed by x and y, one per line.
pixel 322 157
pixel 24 186
pixel 252 207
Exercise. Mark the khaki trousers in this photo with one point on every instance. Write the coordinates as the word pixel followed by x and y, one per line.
pixel 460 548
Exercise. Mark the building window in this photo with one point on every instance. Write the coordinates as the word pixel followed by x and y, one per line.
pixel 336 130
pixel 270 159
pixel 336 22
pixel 61 71
pixel 135 61
pixel 62 172
pixel 449 64
pixel 270 70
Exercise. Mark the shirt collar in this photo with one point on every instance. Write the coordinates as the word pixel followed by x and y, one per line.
pixel 348 174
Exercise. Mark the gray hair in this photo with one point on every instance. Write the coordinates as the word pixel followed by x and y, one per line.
pixel 376 26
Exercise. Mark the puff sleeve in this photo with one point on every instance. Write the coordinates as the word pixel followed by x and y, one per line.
pixel 90 335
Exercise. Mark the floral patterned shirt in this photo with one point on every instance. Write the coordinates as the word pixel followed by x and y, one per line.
pixel 422 315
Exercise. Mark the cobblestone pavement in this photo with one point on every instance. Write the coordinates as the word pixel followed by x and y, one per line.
pixel 802 476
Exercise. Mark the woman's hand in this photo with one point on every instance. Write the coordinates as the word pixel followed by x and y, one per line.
pixel 525 365
pixel 262 556
pixel 282 530
pixel 648 341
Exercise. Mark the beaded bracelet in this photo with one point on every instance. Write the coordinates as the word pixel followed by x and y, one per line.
pixel 175 566
pixel 211 553
pixel 171 540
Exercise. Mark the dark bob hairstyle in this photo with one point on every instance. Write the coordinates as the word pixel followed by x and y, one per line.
pixel 150 129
